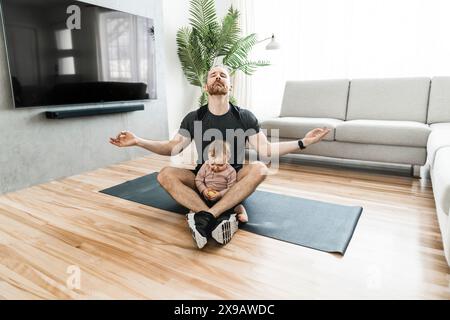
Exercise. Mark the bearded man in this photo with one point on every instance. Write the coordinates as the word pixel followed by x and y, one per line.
pixel 219 119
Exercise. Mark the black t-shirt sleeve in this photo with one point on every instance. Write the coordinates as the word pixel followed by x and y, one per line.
pixel 250 121
pixel 187 125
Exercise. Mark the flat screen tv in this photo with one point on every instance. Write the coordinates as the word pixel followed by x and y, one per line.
pixel 63 52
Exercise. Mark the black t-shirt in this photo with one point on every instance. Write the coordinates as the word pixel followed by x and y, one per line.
pixel 234 127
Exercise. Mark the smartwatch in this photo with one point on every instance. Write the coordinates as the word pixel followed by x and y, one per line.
pixel 301 145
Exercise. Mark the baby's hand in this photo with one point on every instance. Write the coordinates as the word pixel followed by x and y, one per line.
pixel 211 194
pixel 206 193
pixel 216 196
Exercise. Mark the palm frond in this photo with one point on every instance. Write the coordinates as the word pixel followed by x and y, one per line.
pixel 203 99
pixel 229 33
pixel 203 14
pixel 190 58
pixel 240 50
pixel 204 21
pixel 233 100
pixel 202 52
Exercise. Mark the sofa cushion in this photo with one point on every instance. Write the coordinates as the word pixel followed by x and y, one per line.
pixel 439 106
pixel 365 152
pixel 439 138
pixel 441 179
pixel 315 99
pixel 440 126
pixel 403 99
pixel 296 127
pixel 397 133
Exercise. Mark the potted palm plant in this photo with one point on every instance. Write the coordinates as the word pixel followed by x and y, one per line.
pixel 208 41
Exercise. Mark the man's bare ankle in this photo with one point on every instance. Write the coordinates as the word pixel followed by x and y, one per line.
pixel 203 209
pixel 213 212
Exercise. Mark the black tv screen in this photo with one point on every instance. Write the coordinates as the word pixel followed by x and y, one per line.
pixel 63 52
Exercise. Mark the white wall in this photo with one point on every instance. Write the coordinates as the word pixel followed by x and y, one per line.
pixel 180 94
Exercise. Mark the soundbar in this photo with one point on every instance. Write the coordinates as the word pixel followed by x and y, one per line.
pixel 75 113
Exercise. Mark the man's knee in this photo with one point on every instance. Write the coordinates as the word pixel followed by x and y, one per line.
pixel 165 177
pixel 259 170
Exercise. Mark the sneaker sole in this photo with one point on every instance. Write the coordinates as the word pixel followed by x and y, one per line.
pixel 199 240
pixel 225 230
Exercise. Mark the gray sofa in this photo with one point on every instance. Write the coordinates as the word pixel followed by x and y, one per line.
pixel 394 120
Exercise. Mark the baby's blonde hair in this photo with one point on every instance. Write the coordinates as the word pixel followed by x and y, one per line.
pixel 219 148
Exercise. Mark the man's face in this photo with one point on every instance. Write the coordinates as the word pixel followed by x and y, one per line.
pixel 218 82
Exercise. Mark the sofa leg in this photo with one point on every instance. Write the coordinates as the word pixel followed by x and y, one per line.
pixel 416 171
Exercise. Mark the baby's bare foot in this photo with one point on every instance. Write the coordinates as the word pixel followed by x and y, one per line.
pixel 241 213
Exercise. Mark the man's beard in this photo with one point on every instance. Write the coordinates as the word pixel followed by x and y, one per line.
pixel 217 89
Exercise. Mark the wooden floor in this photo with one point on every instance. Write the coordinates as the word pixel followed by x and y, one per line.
pixel 126 250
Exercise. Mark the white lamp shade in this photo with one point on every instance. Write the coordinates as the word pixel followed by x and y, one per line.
pixel 273 44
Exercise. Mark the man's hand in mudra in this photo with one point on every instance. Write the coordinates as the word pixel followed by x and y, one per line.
pixel 124 139
pixel 315 136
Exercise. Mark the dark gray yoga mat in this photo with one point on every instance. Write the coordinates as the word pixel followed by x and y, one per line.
pixel 314 224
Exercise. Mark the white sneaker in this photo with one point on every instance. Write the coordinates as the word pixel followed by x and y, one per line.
pixel 226 227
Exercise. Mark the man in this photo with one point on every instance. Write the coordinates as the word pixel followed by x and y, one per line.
pixel 217 120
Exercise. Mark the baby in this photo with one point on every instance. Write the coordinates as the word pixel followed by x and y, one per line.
pixel 217 176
